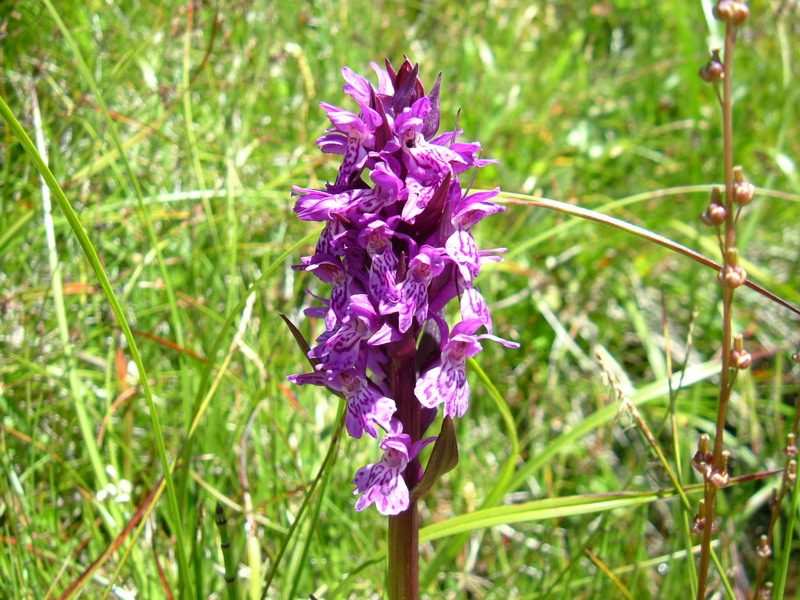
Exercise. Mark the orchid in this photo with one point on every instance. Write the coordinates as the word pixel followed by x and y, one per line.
pixel 396 249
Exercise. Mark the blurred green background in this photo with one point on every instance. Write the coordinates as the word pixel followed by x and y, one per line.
pixel 216 108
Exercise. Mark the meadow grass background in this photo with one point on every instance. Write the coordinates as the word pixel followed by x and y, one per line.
pixel 215 106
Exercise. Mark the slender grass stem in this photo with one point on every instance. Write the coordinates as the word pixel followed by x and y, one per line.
pixel 56 284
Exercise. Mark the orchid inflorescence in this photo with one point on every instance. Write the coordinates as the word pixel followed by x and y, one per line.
pixel 396 249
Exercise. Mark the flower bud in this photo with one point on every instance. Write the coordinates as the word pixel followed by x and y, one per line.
pixel 698 463
pixel 740 358
pixel 699 520
pixel 715 213
pixel 732 275
pixel 796 357
pixel 723 10
pixel 740 13
pixel 763 550
pixel 718 477
pixel 791 472
pixel 791 445
pixel 734 12
pixel 703 457
pixel 743 190
pixel 743 193
pixel 713 70
pixel 718 480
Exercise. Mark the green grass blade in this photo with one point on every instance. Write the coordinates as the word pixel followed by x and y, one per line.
pixel 56 285
pixel 537 510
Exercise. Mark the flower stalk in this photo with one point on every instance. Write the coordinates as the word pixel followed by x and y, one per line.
pixel 714 465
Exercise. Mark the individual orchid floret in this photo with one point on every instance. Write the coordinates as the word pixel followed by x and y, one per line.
pixel 414 290
pixel 318 205
pixel 376 239
pixel 382 482
pixel 461 246
pixel 341 349
pixel 446 382
pixel 351 137
pixel 367 406
pixel 463 250
pixel 475 207
pixel 329 269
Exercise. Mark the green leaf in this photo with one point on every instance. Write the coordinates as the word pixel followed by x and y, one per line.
pixel 537 510
pixel 443 459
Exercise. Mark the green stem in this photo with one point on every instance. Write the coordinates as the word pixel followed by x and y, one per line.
pixel 227 552
pixel 404 555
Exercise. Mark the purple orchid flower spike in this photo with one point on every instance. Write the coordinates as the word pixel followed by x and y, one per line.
pixel 396 249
